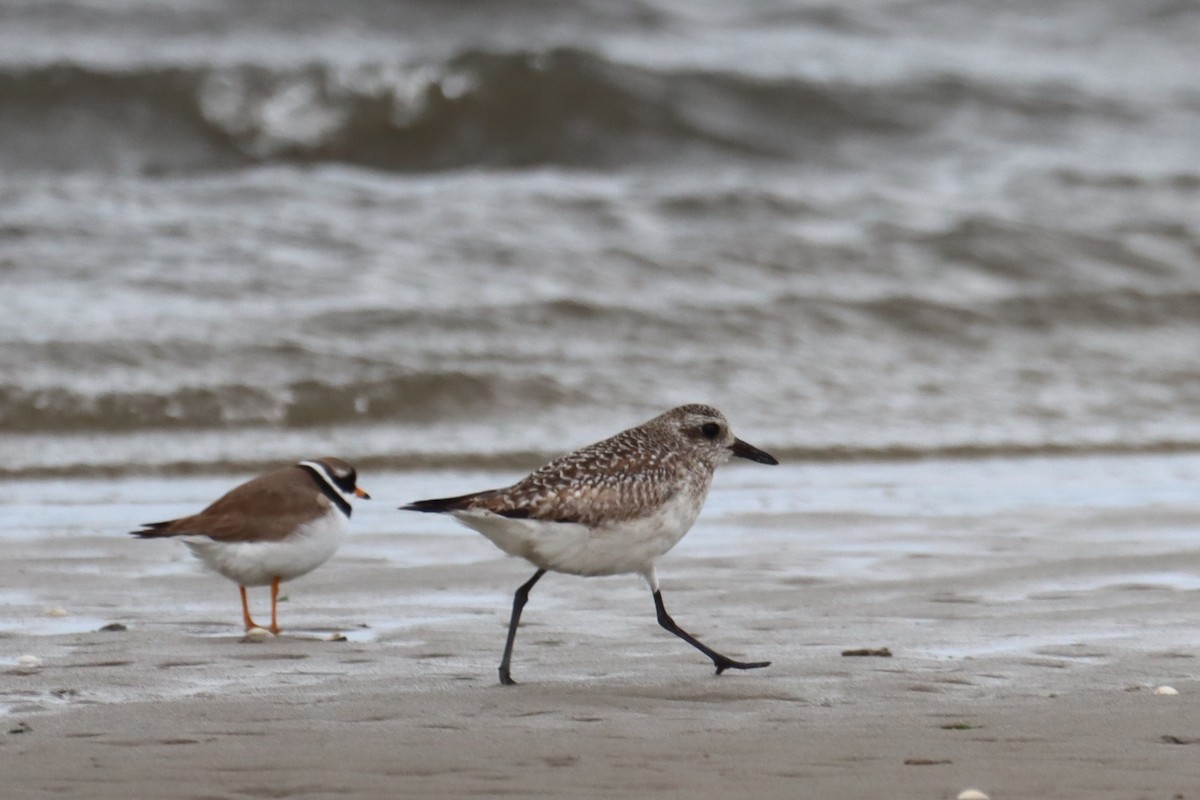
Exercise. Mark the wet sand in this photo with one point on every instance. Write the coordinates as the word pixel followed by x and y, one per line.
pixel 1031 606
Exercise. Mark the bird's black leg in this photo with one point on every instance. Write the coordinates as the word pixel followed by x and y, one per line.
pixel 519 600
pixel 721 662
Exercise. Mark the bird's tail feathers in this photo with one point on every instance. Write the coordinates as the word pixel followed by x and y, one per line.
pixel 154 530
pixel 441 505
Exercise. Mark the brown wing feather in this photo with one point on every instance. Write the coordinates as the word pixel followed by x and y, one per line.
pixel 612 481
pixel 268 508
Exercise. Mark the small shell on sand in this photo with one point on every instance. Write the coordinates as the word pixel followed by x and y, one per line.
pixel 972 794
pixel 1166 690
pixel 28 663
pixel 57 612
pixel 336 636
pixel 257 635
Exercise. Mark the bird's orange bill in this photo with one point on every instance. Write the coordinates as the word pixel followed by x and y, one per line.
pixel 743 450
pixel 358 492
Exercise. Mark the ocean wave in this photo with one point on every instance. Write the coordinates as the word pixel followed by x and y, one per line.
pixel 478 108
pixel 414 398
pixel 502 359
pixel 1031 254
pixel 911 318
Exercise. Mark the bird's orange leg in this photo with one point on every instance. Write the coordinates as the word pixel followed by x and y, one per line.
pixel 249 623
pixel 274 604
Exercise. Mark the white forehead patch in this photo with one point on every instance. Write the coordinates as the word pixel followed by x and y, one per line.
pixel 324 472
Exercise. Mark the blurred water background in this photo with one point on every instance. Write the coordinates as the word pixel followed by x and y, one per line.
pixel 423 234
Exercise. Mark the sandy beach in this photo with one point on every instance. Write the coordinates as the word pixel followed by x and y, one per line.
pixel 1031 606
pixel 940 259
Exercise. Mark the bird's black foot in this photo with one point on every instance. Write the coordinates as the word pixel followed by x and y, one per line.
pixel 506 679
pixel 723 664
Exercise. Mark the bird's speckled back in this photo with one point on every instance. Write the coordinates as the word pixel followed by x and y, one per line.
pixel 624 477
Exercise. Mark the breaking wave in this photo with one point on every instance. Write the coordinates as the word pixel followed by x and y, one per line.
pixel 564 107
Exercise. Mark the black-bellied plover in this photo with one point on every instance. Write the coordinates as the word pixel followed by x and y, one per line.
pixel 273 528
pixel 610 508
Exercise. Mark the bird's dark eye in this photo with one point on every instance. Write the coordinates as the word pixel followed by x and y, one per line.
pixel 711 430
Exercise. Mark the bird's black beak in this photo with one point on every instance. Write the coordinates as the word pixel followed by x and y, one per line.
pixel 749 451
pixel 358 492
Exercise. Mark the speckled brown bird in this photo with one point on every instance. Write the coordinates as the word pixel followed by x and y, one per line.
pixel 609 508
pixel 273 528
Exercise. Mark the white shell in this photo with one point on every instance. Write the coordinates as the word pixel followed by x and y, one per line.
pixel 57 612
pixel 972 794
pixel 257 635
pixel 29 662
pixel 1166 690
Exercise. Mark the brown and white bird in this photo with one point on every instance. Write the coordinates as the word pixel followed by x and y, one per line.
pixel 271 529
pixel 610 508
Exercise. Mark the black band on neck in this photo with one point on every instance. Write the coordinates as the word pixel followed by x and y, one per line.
pixel 326 489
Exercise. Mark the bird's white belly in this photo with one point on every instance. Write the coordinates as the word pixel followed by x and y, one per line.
pixel 259 563
pixel 611 549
